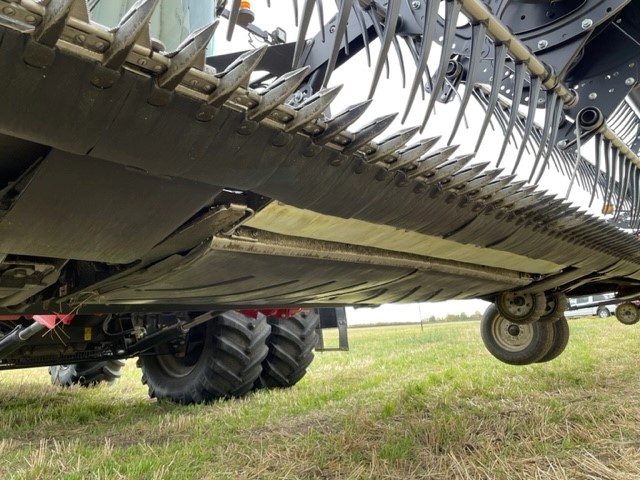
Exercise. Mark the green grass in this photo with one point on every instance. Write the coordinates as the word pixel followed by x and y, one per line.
pixel 403 403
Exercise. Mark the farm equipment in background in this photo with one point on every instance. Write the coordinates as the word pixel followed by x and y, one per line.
pixel 164 204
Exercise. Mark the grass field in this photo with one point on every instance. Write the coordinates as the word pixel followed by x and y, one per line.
pixel 403 403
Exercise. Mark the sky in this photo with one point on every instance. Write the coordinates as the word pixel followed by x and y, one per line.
pixel 391 97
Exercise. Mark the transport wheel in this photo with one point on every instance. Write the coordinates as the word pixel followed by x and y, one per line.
pixel 291 345
pixel 86 374
pixel 521 308
pixel 513 343
pixel 218 359
pixel 556 304
pixel 560 340
pixel 627 313
pixel 604 313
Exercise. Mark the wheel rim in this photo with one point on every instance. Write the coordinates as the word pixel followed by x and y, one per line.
pixel 516 304
pixel 180 366
pixel 627 313
pixel 511 336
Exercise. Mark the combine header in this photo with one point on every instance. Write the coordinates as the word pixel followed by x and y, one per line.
pixel 195 209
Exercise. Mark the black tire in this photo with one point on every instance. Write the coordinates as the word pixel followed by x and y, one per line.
pixel 604 313
pixel 521 308
pixel 87 374
pixel 223 359
pixel 513 343
pixel 291 345
pixel 560 340
pixel 554 308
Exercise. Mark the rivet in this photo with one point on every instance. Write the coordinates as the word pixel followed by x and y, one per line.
pixel 8 11
pixel 543 44
pixel 593 96
pixel 629 81
pixel 30 19
pixel 587 23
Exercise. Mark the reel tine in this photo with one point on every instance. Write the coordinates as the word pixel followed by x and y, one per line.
pixel 498 73
pixel 296 16
pixel 608 167
pixel 369 132
pixel 390 22
pixel 513 115
pixel 234 13
pixel 596 177
pixel 321 20
pixel 127 32
pixel 621 180
pixel 546 130
pixel 478 32
pixel 53 22
pixel 633 123
pixel 277 93
pixel 191 49
pixel 363 32
pixel 403 73
pixel 624 185
pixel 555 124
pixel 376 27
pixel 307 12
pixel 635 190
pixel 312 108
pixel 343 16
pixel 414 55
pixel 341 122
pixel 534 92
pixel 428 32
pixel 453 8
pixel 235 75
pixel 390 144
pixel 412 153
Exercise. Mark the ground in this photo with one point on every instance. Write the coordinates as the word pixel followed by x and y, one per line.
pixel 405 402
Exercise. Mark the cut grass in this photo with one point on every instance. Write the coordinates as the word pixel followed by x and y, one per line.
pixel 403 403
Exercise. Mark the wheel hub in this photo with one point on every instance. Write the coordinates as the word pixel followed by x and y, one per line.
pixel 513 329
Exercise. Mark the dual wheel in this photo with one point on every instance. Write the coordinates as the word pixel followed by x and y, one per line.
pixel 231 355
pixel 523 343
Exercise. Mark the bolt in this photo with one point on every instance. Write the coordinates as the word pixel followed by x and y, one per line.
pixel 562 144
pixel 587 23
pixel 543 44
pixel 332 29
pixel 629 81
pixel 415 4
pixel 8 11
pixel 593 96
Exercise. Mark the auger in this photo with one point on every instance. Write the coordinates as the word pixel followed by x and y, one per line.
pixel 196 210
